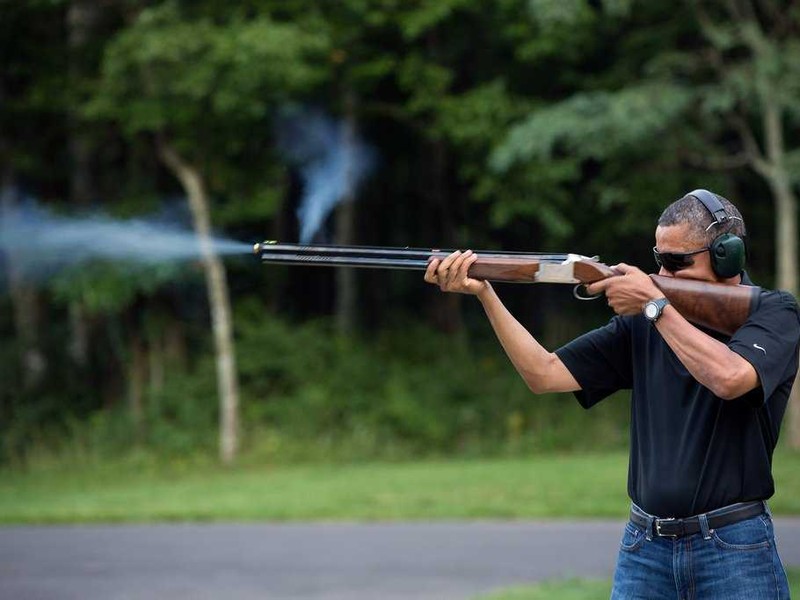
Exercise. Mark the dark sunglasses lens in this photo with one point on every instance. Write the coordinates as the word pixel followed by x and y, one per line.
pixel 673 261
pixel 657 257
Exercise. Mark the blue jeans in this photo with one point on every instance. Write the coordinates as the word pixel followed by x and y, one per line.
pixel 738 561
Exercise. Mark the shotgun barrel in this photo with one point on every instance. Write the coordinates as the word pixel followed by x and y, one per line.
pixel 511 267
pixel 375 256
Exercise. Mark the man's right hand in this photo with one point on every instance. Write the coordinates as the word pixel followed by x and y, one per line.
pixel 451 274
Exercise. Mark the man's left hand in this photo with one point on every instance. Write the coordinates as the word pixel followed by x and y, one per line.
pixel 629 292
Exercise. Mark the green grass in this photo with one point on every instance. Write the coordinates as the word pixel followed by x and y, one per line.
pixel 571 589
pixel 587 589
pixel 549 486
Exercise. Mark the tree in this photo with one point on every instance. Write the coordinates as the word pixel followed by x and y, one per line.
pixel 753 49
pixel 198 85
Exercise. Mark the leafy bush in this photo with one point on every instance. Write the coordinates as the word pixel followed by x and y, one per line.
pixel 309 393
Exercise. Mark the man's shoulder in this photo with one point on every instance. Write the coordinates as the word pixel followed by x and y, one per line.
pixel 776 311
pixel 777 299
pixel 772 298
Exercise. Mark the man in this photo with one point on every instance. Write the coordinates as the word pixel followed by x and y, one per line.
pixel 705 409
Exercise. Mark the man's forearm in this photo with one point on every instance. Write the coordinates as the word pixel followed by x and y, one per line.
pixel 542 371
pixel 710 362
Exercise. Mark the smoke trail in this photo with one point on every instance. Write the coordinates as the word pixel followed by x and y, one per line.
pixel 37 243
pixel 332 160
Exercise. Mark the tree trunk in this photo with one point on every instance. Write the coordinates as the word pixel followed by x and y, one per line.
pixel 216 284
pixel 80 21
pixel 24 300
pixel 79 329
pixel 346 295
pixel 787 268
pixel 174 345
pixel 156 367
pixel 446 307
pixel 137 375
pixel 786 244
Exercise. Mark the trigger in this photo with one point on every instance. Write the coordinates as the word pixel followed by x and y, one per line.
pixel 579 296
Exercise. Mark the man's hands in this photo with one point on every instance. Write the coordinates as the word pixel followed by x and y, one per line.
pixel 450 274
pixel 627 293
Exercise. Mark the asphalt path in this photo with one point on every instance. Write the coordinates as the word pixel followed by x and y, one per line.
pixel 327 561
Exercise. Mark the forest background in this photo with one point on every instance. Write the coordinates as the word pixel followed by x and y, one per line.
pixel 526 125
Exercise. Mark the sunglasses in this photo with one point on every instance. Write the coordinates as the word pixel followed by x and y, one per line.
pixel 676 261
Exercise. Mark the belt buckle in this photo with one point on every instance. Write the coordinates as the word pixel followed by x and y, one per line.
pixel 658 528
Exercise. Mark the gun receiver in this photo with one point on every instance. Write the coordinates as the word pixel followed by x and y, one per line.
pixel 719 307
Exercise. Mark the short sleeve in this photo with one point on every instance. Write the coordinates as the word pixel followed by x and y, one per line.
pixel 769 340
pixel 600 361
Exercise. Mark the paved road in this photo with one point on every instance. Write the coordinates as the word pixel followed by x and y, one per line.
pixel 307 561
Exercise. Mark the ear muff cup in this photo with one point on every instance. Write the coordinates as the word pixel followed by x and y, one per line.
pixel 727 255
pixel 728 251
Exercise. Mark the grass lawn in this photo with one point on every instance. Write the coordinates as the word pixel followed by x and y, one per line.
pixel 587 589
pixel 544 486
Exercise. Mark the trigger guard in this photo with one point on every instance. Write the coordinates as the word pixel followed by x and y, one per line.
pixel 580 296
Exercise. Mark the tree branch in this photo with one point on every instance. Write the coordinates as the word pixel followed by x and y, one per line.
pixel 706 23
pixel 751 149
pixel 718 162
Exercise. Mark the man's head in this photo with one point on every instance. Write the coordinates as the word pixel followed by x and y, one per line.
pixel 688 231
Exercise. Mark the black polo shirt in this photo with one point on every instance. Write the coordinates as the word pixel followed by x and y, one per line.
pixel 691 451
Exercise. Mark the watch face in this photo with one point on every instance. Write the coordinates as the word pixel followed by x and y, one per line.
pixel 651 310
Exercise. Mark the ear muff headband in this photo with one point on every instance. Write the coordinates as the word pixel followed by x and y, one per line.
pixel 727 251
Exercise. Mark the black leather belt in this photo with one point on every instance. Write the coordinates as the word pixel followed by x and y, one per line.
pixel 673 528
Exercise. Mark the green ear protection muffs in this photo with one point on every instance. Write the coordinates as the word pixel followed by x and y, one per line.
pixel 728 251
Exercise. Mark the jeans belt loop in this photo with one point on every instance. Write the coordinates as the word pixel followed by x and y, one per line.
pixel 704 529
pixel 766 509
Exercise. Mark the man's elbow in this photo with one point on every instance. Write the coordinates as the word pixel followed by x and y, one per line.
pixel 735 383
pixel 536 386
pixel 544 379
pixel 726 392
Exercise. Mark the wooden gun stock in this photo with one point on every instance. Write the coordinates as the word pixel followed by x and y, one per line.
pixel 717 306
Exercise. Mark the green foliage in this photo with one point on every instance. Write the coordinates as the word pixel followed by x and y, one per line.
pixel 475 122
pixel 568 30
pixel 178 420
pixel 312 394
pixel 424 81
pixel 478 116
pixel 189 77
pixel 552 12
pixel 425 16
pixel 405 389
pixel 595 125
pixel 104 287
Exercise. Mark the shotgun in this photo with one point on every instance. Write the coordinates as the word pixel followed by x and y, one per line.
pixel 716 306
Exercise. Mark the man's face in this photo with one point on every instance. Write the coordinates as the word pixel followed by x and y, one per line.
pixel 679 238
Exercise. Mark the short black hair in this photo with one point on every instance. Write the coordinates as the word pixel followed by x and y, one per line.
pixel 690 210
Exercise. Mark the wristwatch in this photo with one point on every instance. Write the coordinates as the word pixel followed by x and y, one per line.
pixel 653 309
